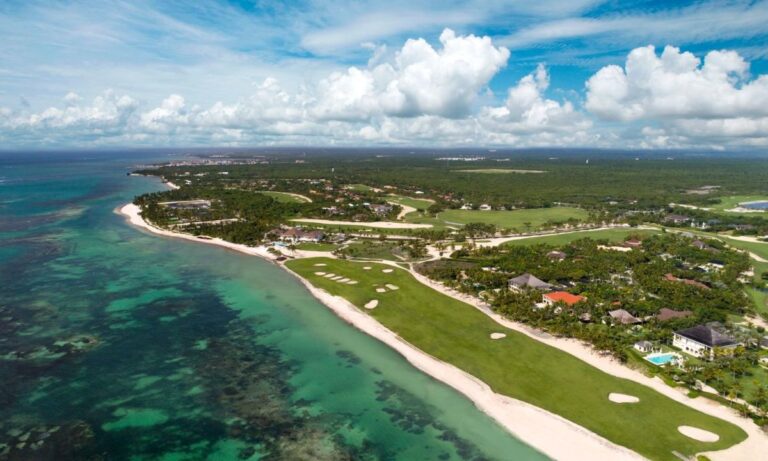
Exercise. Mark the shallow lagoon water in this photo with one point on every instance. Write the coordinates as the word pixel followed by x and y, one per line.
pixel 116 344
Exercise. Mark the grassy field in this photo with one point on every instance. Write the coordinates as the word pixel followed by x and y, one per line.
pixel 514 219
pixel 612 235
pixel 418 203
pixel 521 367
pixel 309 246
pixel 286 197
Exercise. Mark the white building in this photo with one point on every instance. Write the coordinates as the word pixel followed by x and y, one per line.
pixel 701 341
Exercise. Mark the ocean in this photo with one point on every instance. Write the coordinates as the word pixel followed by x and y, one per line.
pixel 120 345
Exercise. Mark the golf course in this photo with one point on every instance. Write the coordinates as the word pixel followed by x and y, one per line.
pixel 516 365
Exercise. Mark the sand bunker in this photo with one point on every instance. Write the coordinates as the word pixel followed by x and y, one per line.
pixel 366 268
pixel 338 277
pixel 498 335
pixel 319 273
pixel 387 271
pixel 352 282
pixel 392 287
pixel 344 280
pixel 622 398
pixel 371 304
pixel 380 290
pixel 329 275
pixel 320 265
pixel 698 434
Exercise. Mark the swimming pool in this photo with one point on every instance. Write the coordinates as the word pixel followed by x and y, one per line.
pixel 664 358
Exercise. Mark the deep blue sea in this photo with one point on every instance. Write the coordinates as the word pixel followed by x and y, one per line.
pixel 120 345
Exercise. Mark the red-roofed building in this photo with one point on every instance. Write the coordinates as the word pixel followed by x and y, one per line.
pixel 562 297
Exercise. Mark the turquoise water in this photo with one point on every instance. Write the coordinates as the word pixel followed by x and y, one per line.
pixel 116 344
pixel 661 359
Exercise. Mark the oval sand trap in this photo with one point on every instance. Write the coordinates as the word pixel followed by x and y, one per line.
pixel 372 304
pixel 329 275
pixel 320 265
pixel 615 397
pixel 352 282
pixel 380 290
pixel 319 273
pixel 387 271
pixel 392 287
pixel 498 335
pixel 698 434
pixel 367 268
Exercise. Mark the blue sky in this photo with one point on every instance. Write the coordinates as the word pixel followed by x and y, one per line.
pixel 545 73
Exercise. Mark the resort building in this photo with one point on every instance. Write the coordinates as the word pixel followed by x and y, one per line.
pixel 702 341
pixel 677 219
pixel 550 299
pixel 527 281
pixel 296 235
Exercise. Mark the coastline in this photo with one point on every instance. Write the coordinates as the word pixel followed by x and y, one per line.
pixel 532 425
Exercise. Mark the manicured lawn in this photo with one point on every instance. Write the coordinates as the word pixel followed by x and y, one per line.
pixel 612 235
pixel 418 203
pixel 518 366
pixel 286 197
pixel 535 217
pixel 309 246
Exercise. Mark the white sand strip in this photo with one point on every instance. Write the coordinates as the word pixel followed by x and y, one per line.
pixel 622 398
pixel 320 265
pixel 387 271
pixel 371 304
pixel 352 282
pixel 366 268
pixel 320 273
pixel 381 290
pixel 392 287
pixel 498 335
pixel 698 434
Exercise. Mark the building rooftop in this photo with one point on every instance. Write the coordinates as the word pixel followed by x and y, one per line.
pixel 624 317
pixel 707 335
pixel 564 296
pixel 529 281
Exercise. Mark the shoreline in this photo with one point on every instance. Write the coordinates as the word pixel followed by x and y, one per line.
pixel 530 424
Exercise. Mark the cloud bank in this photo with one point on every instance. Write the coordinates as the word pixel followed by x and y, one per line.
pixel 436 95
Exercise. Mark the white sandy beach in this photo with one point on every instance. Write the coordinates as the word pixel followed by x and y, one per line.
pixel 531 424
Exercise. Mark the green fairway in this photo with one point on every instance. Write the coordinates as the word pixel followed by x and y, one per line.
pixel 612 235
pixel 527 219
pixel 418 203
pixel 518 366
pixel 286 197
